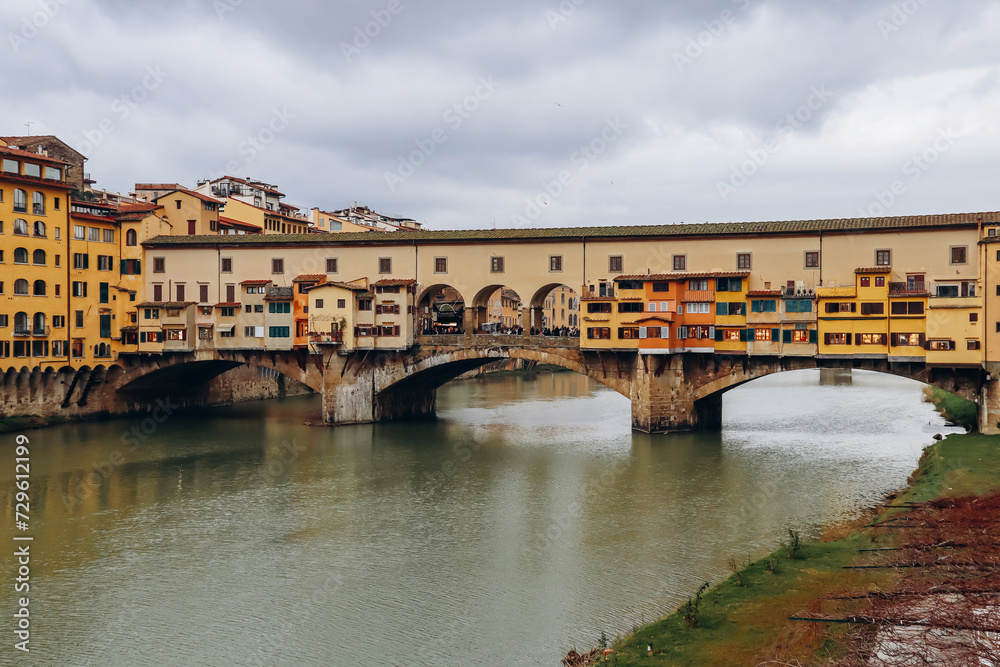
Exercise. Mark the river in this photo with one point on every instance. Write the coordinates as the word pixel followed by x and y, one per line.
pixel 525 520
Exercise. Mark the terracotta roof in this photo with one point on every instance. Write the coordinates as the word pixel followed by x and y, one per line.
pixel 349 286
pixel 764 292
pixel 239 223
pixel 229 304
pixel 34 180
pixel 255 282
pixel 394 282
pixel 666 317
pixel 197 195
pixel 138 206
pixel 130 327
pixel 159 186
pixel 309 278
pixel 874 269
pixel 17 152
pixel 664 277
pixel 90 216
pixel 597 298
pixel 269 189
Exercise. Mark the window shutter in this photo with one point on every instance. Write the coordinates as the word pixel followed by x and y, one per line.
pixel 857 339
pixel 718 335
pixel 105 325
pixel 826 339
pixel 721 308
pixel 711 333
pixel 813 336
pixel 104 292
pixel 744 335
pixel 123 270
pixel 642 332
pixel 231 293
pixel 786 336
pixel 923 341
pixel 775 333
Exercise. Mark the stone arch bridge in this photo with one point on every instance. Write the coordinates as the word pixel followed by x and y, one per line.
pixel 667 392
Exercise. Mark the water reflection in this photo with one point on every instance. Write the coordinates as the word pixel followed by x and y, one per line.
pixel 526 518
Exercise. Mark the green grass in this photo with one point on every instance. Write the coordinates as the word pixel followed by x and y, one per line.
pixel 954 408
pixel 26 422
pixel 748 624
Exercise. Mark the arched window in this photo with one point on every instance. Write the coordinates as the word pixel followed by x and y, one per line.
pixel 20 201
pixel 21 286
pixel 130 237
pixel 20 255
pixel 39 288
pixel 38 257
pixel 38 204
pixel 39 228
pixel 21 227
pixel 39 321
pixel 21 323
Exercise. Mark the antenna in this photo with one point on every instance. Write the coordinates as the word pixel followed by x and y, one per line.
pixel 28 125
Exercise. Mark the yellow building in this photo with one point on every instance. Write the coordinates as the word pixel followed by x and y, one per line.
pixel 275 221
pixel 189 213
pixel 561 308
pixel 34 245
pixel 98 304
pixel 339 313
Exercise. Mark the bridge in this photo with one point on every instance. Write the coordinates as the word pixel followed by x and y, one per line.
pixel 667 392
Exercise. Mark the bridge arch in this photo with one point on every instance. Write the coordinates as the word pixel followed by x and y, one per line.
pixel 440 306
pixel 486 309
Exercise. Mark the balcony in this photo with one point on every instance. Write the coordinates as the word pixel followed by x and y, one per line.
pixel 699 295
pixel 40 331
pixel 326 338
pixel 797 292
pixel 908 288
pixel 22 331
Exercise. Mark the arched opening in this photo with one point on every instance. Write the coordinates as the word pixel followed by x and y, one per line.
pixel 20 255
pixel 555 311
pixel 21 287
pixel 39 229
pixel 38 257
pixel 130 238
pixel 38 208
pixel 39 288
pixel 21 204
pixel 20 227
pixel 497 309
pixel 440 310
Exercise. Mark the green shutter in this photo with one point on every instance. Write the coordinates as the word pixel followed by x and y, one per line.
pixel 805 306
pixel 722 308
pixel 814 336
pixel 775 334
pixel 744 335
pixel 123 270
pixel 104 293
pixel 718 335
pixel 105 326
pixel 786 336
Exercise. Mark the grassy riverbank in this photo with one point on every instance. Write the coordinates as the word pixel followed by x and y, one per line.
pixel 744 620
pixel 955 409
pixel 26 422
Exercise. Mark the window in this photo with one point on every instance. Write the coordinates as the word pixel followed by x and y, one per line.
pixel 763 306
pixel 331 265
pixel 947 290
pixel 907 340
pixel 203 293
pixel 131 267
pixel 870 339
pixel 39 288
pixel 699 308
pixel 798 306
pixel 883 258
pixel 865 281
pixel 440 265
pixel 278 307
pixel 10 166
pixel 599 307
pixel 555 263
pixel 81 260
pixel 131 238
pixel 38 257
pixel 56 205
pixel 104 262
pixel 496 264
pixel 175 334
pixel 39 229
pixel 873 309
pixel 661 287
pixel 973 317
pixel 762 335
pixel 277 265
pixel 32 169
pixel 699 285
pixel 230 293
pixel 680 262
pixel 227 333
pixel 38 204
pixel 93 234
pixel 800 336
pixel 728 284
pixel 959 254
pixel 972 344
pixel 906 308
pixel 20 201
pixel 615 264
pixel 79 288
pixel 158 292
pixel 159 265
pixel 385 265
pixel 630 307
pixel 743 261
pixel 341 303
pixel 599 333
pixel 180 289
pixel 837 339
pixel 279 332
pixel 731 335
pixel 229 311
pixel 79 232
pixel 941 345
pixel 628 333
pixel 20 255
pixel 630 284
pixel 880 281
pixel 841 307
pixel 78 318
pixel 21 227
pixel 226 265
pixel 109 235
pixel 59 321
pixel 364 304
pixel 21 287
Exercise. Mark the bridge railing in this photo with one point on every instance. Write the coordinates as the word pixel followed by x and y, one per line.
pixel 497 339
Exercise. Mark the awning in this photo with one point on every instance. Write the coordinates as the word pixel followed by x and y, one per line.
pixel 225 327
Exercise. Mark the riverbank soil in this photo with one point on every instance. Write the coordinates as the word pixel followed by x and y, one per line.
pixel 915 582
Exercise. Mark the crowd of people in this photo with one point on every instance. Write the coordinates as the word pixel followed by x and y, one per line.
pixel 564 332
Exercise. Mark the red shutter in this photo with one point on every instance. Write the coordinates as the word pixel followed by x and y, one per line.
pixel 231 293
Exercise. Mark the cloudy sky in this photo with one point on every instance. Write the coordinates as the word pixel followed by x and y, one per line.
pixel 515 113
